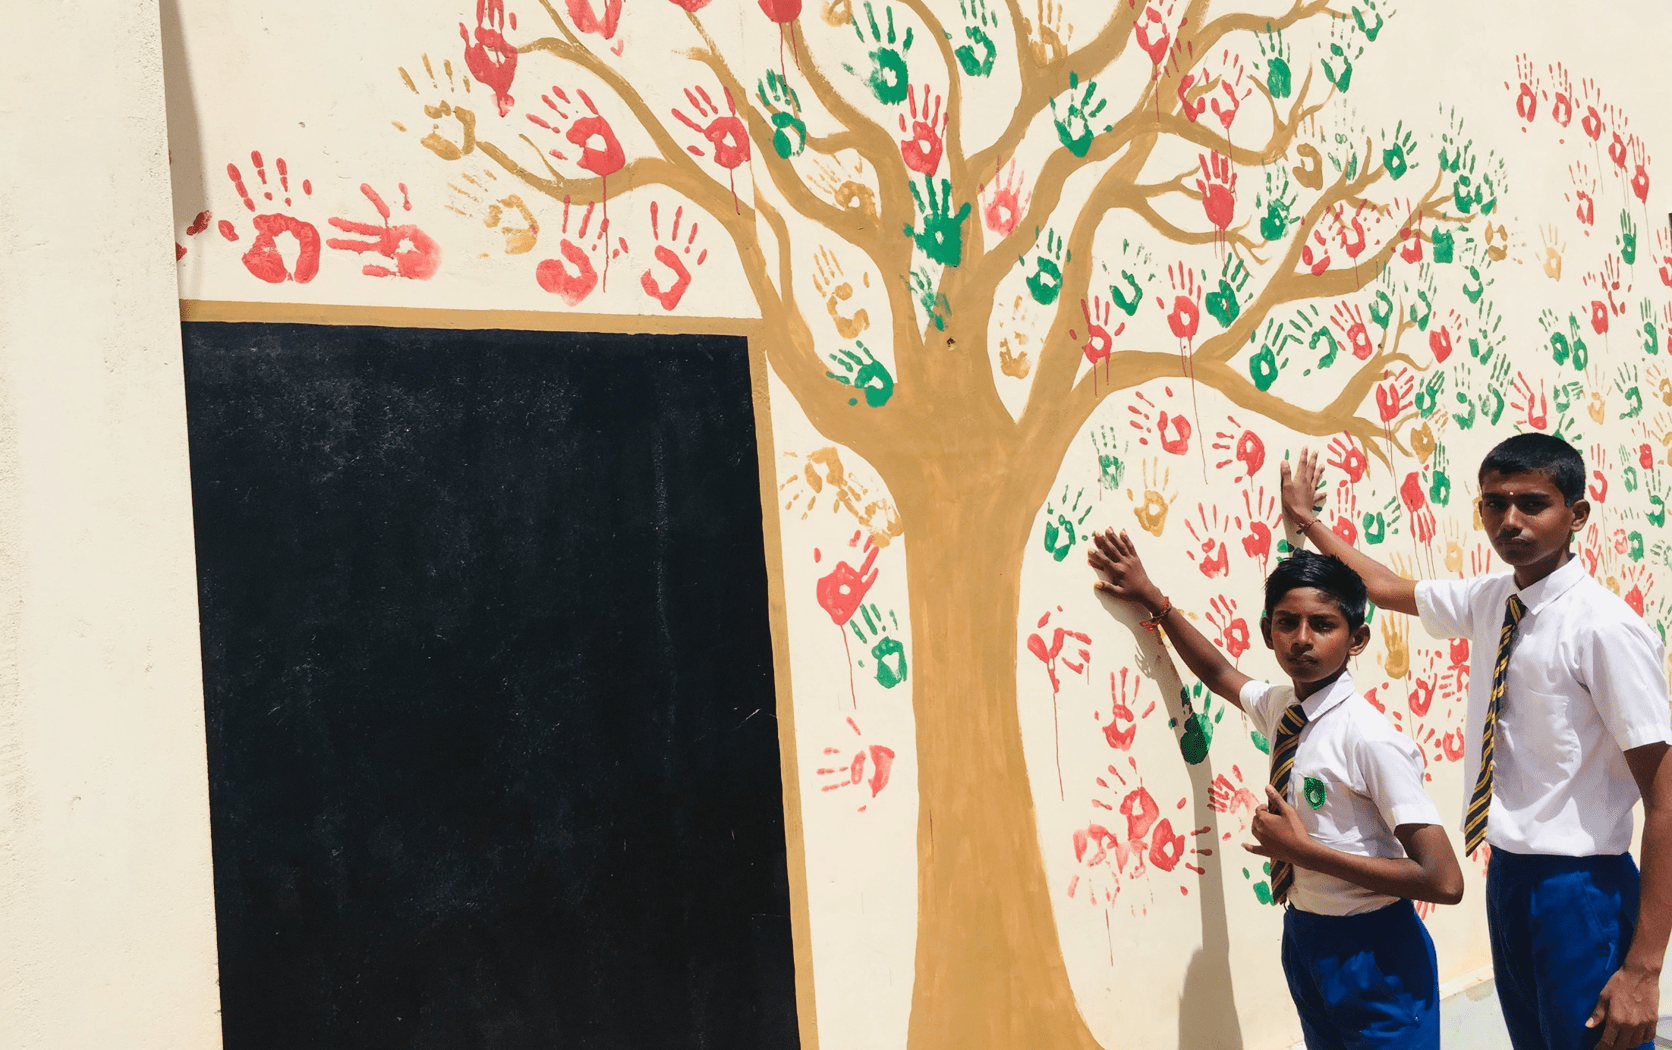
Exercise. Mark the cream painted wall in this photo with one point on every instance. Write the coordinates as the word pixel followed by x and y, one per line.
pixel 106 910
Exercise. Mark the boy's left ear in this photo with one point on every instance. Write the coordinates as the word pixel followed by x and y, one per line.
pixel 1581 514
pixel 1361 638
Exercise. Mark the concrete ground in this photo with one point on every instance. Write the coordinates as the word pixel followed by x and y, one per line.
pixel 1470 1019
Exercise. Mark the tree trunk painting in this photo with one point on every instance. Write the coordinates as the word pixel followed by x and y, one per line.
pixel 1028 269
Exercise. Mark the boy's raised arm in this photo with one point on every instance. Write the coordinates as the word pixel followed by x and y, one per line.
pixel 1301 483
pixel 1116 558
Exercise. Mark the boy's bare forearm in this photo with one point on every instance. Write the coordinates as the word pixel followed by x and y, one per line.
pixel 1653 764
pixel 1203 658
pixel 1434 878
pixel 1300 483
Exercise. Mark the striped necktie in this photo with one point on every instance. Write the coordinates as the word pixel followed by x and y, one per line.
pixel 1480 802
pixel 1282 764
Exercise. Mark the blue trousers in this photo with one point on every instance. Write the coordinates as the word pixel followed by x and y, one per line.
pixel 1560 927
pixel 1363 981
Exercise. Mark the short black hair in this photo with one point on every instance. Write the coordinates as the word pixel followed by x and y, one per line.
pixel 1328 574
pixel 1539 454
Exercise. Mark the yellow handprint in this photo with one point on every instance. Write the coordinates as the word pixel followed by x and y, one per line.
pixel 1152 511
pixel 828 282
pixel 1049 36
pixel 1553 248
pixel 518 238
pixel 845 186
pixel 445 112
pixel 1396 642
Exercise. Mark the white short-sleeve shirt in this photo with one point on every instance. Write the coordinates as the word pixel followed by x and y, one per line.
pixel 1355 779
pixel 1586 684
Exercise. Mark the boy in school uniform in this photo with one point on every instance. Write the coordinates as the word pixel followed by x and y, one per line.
pixel 1352 835
pixel 1567 727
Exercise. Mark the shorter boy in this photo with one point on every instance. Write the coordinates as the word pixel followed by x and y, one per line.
pixel 1352 835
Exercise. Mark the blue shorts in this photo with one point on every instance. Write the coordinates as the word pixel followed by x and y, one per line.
pixel 1363 981
pixel 1560 927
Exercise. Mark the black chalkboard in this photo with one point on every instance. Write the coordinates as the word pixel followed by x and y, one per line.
pixel 492 753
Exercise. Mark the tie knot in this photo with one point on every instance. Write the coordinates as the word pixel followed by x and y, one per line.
pixel 1293 719
pixel 1514 609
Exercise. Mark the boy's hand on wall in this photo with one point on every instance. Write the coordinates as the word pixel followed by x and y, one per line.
pixel 1114 556
pixel 1302 484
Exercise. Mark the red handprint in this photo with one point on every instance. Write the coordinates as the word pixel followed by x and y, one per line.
pixel 1416 501
pixel 1411 238
pixel 1192 109
pixel 781 11
pixel 1241 446
pixel 1218 186
pixel 1535 409
pixel 1050 654
pixel 1230 86
pixel 921 149
pixel 1642 585
pixel 1347 456
pixel 1640 177
pixel 670 296
pixel 1154 21
pixel 1120 711
pixel 1099 340
pixel 1187 301
pixel 1212 562
pixel 490 59
pixel 1179 443
pixel 415 254
pixel 725 133
pixel 1591 122
pixel 1422 695
pixel 1526 100
pixel 1227 797
pixel 1584 193
pixel 1262 515
pixel 1348 319
pixel 1345 524
pixel 1561 101
pixel 843 591
pixel 880 759
pixel 601 152
pixel 1006 202
pixel 1316 262
pixel 263 260
pixel 692 6
pixel 555 276
pixel 1393 397
pixel 1351 231
pixel 1233 629
pixel 1458 668
pixel 586 20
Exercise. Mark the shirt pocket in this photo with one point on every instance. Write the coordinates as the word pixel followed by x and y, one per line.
pixel 1342 819
pixel 1538 742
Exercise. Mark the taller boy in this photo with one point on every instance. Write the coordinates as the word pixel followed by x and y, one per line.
pixel 1567 726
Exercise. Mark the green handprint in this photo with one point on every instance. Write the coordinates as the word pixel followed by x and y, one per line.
pixel 1454 148
pixel 1634 545
pixel 1464 422
pixel 1274 51
pixel 1396 156
pixel 1381 310
pixel 886 649
pixel 979 20
pixel 1489 335
pixel 1581 353
pixel 1657 513
pixel 1140 260
pixel 1492 400
pixel 1110 468
pixel 1371 32
pixel 1225 303
pixel 1198 724
pixel 1421 319
pixel 863 373
pixel 1560 348
pixel 1268 362
pixel 1045 282
pixel 1074 126
pixel 1343 155
pixel 789 131
pixel 1626 384
pixel 1376 527
pixel 934 302
pixel 1428 395
pixel 1651 334
pixel 1444 243
pixel 1341 43
pixel 1475 286
pixel 1439 486
pixel 889 80
pixel 1564 394
pixel 1324 334
pixel 1060 534
pixel 1627 239
pixel 1278 201
pixel 942 236
pixel 1262 889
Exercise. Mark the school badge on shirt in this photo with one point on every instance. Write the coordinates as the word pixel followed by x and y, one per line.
pixel 1313 790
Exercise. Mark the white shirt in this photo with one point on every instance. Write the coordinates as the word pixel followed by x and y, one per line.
pixel 1586 684
pixel 1364 776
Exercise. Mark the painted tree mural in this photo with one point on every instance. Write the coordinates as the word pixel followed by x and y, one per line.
pixel 965 229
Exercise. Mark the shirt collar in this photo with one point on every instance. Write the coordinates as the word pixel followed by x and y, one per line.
pixel 1558 583
pixel 1323 700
